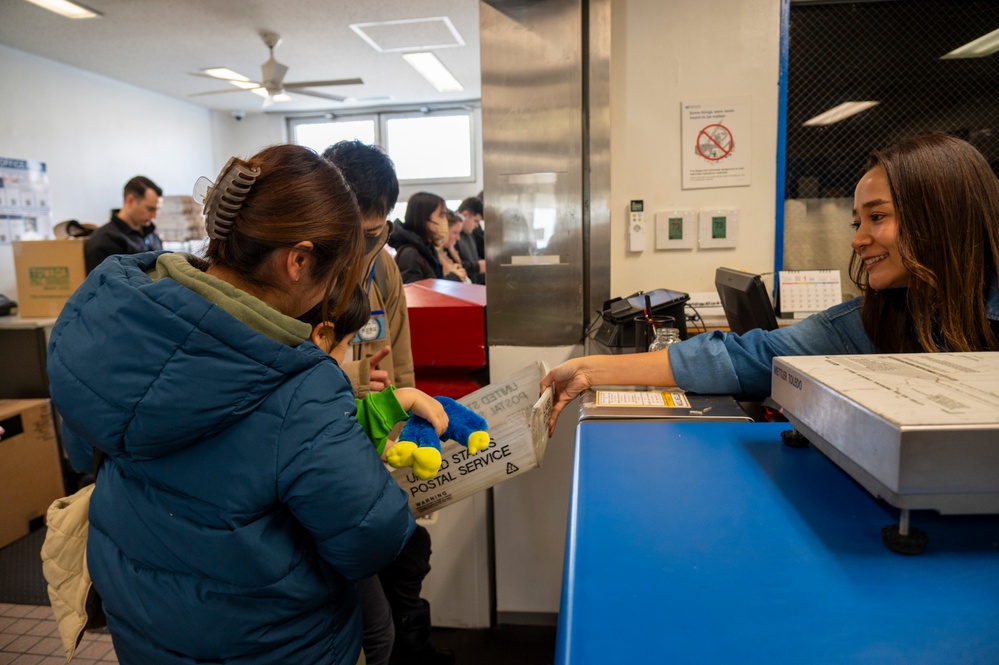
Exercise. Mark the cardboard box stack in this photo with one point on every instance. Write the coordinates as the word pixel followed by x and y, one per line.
pixel 29 466
pixel 518 435
pixel 47 274
pixel 180 219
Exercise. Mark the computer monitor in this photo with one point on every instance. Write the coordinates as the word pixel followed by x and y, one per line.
pixel 745 301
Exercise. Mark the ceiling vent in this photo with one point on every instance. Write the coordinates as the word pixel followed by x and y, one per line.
pixel 417 34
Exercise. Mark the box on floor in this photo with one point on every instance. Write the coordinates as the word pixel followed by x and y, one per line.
pixel 30 467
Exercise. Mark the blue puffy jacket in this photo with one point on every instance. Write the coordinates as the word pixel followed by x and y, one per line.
pixel 240 500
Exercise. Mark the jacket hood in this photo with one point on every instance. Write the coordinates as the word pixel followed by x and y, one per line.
pixel 141 368
pixel 402 236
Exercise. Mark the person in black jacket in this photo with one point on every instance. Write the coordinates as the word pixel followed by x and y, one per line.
pixel 131 229
pixel 415 240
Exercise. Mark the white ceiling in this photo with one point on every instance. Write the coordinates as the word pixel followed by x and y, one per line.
pixel 155 44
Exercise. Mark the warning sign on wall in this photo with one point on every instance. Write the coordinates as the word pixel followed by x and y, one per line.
pixel 715 141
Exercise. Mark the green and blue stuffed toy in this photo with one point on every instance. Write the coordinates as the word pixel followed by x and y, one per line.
pixel 419 446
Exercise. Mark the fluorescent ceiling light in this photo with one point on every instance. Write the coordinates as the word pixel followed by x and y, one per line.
pixel 433 70
pixel 66 8
pixel 230 76
pixel 837 113
pixel 981 47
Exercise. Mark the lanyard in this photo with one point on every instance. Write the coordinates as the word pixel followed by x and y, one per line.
pixel 371 276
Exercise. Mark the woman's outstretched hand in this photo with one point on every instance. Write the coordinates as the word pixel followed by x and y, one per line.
pixel 567 381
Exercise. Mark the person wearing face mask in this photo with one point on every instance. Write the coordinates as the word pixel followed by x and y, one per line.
pixel 381 353
pixel 416 240
pixel 925 255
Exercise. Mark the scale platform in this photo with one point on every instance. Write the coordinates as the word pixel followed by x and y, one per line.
pixel 920 431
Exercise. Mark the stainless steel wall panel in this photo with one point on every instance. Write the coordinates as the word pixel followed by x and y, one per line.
pixel 532 136
pixel 596 145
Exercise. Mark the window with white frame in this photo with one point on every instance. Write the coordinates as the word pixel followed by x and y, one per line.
pixel 426 147
pixel 431 147
pixel 319 134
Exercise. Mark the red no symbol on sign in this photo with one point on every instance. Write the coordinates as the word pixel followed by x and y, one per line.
pixel 715 142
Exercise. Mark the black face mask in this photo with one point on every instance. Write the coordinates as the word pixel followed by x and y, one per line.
pixel 371 243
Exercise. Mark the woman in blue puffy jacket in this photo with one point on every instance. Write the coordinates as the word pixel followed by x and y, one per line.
pixel 238 501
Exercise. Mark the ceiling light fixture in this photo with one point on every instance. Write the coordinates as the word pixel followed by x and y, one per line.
pixel 981 47
pixel 837 113
pixel 66 8
pixel 432 69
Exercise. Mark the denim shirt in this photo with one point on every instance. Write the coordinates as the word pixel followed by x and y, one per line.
pixel 726 363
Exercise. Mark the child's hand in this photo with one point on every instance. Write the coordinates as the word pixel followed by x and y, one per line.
pixel 388 445
pixel 378 378
pixel 421 404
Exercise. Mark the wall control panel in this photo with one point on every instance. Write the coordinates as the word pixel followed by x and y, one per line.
pixel 718 228
pixel 636 226
pixel 675 229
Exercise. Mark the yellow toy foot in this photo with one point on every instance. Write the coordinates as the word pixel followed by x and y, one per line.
pixel 426 463
pixel 401 454
pixel 477 441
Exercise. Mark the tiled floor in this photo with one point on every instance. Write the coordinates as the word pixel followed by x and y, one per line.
pixel 28 636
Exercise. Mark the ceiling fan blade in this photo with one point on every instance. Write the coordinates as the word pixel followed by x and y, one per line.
pixel 219 92
pixel 221 78
pixel 323 84
pixel 313 93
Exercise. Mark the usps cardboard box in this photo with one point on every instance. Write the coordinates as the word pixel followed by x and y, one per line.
pixel 518 435
pixel 47 273
pixel 29 465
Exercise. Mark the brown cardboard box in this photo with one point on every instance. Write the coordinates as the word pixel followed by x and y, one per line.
pixel 47 272
pixel 518 435
pixel 30 469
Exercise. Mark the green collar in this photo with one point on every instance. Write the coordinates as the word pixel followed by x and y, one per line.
pixel 250 310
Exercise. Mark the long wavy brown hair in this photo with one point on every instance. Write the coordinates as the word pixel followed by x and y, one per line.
pixel 946 200
pixel 297 196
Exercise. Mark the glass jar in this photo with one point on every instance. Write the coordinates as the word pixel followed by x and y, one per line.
pixel 665 337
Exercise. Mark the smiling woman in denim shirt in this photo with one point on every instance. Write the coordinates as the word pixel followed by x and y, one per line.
pixel 926 215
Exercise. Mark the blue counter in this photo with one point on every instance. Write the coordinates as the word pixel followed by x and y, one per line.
pixel 714 543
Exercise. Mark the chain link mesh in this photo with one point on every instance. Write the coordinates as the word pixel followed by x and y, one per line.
pixel 887 52
pixel 884 51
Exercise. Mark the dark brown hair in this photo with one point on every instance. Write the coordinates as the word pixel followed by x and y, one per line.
pixel 418 211
pixel 137 187
pixel 298 196
pixel 472 204
pixel 946 201
pixel 348 322
pixel 370 173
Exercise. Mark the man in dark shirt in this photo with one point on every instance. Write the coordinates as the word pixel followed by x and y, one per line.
pixel 471 239
pixel 131 228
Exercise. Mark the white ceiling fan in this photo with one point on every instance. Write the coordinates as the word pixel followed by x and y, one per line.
pixel 272 86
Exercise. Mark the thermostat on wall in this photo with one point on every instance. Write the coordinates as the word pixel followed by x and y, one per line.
pixel 675 229
pixel 717 228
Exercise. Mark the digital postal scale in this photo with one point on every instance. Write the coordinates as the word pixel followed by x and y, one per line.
pixel 920 431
